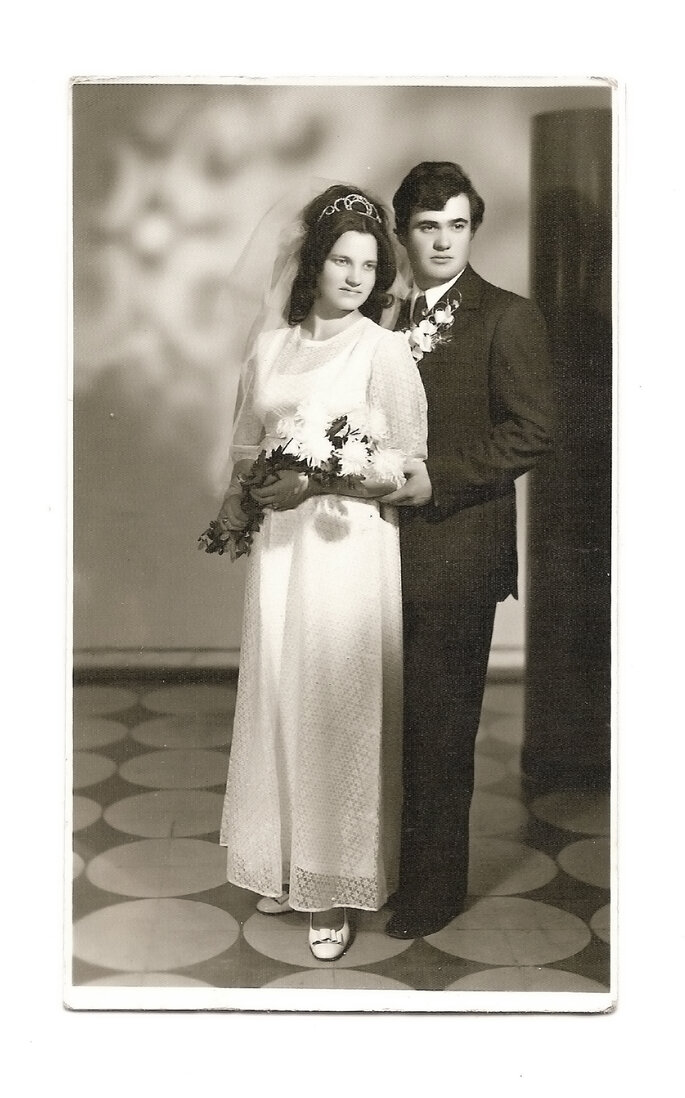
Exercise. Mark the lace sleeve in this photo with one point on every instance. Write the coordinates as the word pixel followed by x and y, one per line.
pixel 248 428
pixel 396 390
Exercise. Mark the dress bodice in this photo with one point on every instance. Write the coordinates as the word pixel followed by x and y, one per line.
pixel 364 365
pixel 334 372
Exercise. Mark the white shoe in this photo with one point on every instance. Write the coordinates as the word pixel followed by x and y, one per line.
pixel 274 905
pixel 328 944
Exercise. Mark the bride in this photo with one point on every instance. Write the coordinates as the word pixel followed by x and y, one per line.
pixel 311 815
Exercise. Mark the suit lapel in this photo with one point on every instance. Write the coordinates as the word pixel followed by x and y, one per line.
pixel 467 290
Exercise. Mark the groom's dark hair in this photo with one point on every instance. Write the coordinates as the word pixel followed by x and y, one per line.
pixel 429 186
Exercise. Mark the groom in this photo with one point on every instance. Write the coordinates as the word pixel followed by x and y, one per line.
pixel 486 372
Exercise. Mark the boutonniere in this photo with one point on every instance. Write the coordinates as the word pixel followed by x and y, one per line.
pixel 425 336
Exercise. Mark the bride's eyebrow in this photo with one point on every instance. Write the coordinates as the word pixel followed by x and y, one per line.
pixel 343 255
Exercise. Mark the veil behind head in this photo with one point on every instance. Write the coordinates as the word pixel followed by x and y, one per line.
pixel 260 283
pixel 262 278
pixel 258 294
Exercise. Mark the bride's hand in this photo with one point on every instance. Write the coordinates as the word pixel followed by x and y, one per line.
pixel 289 489
pixel 231 516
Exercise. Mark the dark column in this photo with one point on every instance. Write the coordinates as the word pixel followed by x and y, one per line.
pixel 568 679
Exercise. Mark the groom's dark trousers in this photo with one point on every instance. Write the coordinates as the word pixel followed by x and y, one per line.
pixel 489 420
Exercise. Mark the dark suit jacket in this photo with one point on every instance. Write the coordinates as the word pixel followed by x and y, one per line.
pixel 490 418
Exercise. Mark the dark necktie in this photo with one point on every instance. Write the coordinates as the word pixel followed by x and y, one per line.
pixel 419 309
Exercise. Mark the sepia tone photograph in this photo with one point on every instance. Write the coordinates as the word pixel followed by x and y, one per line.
pixel 343 379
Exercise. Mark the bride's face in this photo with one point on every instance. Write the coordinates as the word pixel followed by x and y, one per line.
pixel 348 275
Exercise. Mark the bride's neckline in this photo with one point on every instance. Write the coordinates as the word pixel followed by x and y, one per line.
pixel 329 339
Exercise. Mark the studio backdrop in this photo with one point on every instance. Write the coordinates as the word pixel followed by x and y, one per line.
pixel 169 181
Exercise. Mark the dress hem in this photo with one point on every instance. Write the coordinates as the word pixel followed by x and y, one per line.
pixel 310 910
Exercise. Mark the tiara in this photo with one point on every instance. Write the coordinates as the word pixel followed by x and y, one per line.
pixel 351 202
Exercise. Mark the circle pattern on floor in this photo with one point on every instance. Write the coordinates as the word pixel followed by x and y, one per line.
pixel 167 813
pixel 493 814
pixel 177 769
pixel 284 938
pixel 601 923
pixel 191 699
pixel 501 867
pixel 159 867
pixel 90 732
pixel 339 979
pixel 96 700
pixel 147 979
pixel 525 979
pixel 203 730
pixel 86 812
pixel 574 810
pixel 143 939
pixel 153 935
pixel 588 861
pixel 90 769
pixel 512 931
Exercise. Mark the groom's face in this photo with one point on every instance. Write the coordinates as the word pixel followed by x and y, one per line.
pixel 438 242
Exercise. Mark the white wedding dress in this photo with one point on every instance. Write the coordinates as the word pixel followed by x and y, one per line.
pixel 313 796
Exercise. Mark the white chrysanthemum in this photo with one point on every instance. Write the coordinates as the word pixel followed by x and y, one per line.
pixel 287 445
pixel 354 457
pixel 287 427
pixel 314 447
pixel 292 446
pixel 367 421
pixel 358 419
pixel 388 465
pixel 312 415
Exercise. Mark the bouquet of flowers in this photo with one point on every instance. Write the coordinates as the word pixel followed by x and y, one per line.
pixel 343 451
pixel 433 329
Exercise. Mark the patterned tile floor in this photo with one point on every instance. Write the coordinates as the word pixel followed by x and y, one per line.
pixel 152 908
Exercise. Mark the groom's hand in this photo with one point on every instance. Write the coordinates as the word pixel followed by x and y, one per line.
pixel 287 490
pixel 416 491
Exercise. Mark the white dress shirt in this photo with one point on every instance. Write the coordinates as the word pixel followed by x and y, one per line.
pixel 433 293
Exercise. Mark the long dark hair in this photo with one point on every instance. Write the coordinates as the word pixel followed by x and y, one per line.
pixel 321 233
